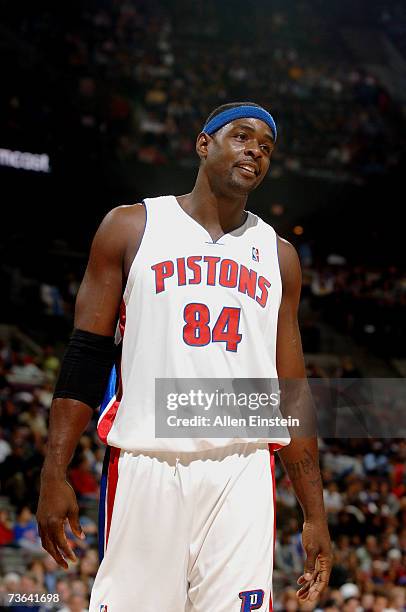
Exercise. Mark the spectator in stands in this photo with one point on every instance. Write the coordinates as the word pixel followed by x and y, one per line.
pixel 98 465
pixel 34 418
pixel 64 591
pixel 86 444
pixel 88 567
pixel 288 602
pixel 9 414
pixel 332 499
pixel 5 448
pixel 12 583
pixel 76 603
pixel 286 554
pixel 351 604
pixel 26 531
pixel 52 300
pixel 50 363
pixel 82 479
pixel 397 599
pixel 25 371
pixel 12 474
pixel 89 528
pixel 51 572
pixel 43 394
pixel 6 528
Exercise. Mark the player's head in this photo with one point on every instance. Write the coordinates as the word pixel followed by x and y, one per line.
pixel 235 146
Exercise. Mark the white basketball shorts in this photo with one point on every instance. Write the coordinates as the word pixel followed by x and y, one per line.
pixel 192 532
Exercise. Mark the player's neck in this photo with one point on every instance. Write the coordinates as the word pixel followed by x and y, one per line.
pixel 214 211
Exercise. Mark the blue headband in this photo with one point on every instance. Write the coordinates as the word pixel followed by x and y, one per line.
pixel 239 112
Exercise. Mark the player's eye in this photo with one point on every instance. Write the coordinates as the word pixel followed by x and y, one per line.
pixel 266 149
pixel 241 135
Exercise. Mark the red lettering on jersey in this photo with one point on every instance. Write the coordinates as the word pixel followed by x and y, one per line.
pixel 228 273
pixel 264 285
pixel 163 270
pixel 181 271
pixel 192 265
pixel 211 268
pixel 248 281
pixel 231 274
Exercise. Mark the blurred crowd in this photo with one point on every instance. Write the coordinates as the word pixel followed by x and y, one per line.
pixel 136 80
pixel 49 290
pixel 365 498
pixel 388 16
pixel 365 304
pixel 26 387
pixel 364 491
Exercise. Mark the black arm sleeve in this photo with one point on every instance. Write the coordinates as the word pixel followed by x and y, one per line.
pixel 86 368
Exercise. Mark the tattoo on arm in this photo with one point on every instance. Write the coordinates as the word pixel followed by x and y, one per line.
pixel 304 467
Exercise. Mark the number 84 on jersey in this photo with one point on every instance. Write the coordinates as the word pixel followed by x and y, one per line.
pixel 200 331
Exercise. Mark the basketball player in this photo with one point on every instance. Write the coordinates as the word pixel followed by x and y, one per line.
pixel 191 286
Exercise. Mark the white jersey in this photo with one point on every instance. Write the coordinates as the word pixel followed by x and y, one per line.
pixel 192 308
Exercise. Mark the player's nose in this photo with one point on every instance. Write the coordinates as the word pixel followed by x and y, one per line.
pixel 253 149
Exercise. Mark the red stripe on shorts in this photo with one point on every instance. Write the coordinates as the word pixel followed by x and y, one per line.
pixel 272 464
pixel 112 479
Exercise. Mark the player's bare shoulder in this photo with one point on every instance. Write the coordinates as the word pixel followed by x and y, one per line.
pixel 125 219
pixel 123 227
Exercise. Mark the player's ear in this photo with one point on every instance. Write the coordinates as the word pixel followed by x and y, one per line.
pixel 202 144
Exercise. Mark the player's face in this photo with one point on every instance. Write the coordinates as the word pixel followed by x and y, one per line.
pixel 239 154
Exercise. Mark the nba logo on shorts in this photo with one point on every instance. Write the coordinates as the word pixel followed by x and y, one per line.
pixel 251 600
pixel 103 608
pixel 255 254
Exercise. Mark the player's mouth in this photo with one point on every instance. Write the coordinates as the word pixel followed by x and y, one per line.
pixel 248 169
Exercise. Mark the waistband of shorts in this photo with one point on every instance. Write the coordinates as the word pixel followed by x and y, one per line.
pixel 214 454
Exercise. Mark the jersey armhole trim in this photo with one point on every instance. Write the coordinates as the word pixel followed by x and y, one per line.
pixel 130 279
pixel 279 266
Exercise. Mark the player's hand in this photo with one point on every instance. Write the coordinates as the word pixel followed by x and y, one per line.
pixel 57 503
pixel 319 559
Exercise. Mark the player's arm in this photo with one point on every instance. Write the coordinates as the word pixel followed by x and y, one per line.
pixel 84 371
pixel 300 457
